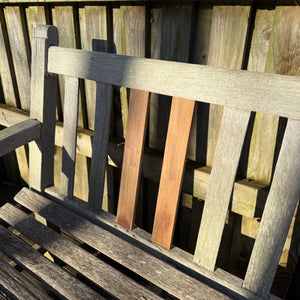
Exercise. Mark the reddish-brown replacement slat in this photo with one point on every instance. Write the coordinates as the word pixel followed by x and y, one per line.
pixel 172 170
pixel 134 144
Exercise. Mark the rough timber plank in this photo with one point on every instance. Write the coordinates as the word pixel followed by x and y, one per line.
pixel 70 135
pixel 172 171
pixel 281 203
pixel 152 269
pixel 19 135
pixel 20 52
pixel 134 147
pixel 16 286
pixel 99 272
pixel 228 33
pixel 231 137
pixel 64 19
pixel 53 276
pixel 104 94
pixel 274 94
pixel 35 16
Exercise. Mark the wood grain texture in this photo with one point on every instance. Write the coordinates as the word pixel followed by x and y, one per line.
pixel 19 135
pixel 273 93
pixel 16 286
pixel 20 52
pixel 228 33
pixel 104 94
pixel 43 103
pixel 128 39
pixel 70 135
pixel 99 272
pixel 93 33
pixel 65 20
pixel 280 206
pixel 156 271
pixel 131 167
pixel 231 137
pixel 43 269
pixel 172 171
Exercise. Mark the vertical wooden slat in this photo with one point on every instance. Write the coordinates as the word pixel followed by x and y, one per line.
pixel 35 16
pixel 65 20
pixel 172 171
pixel 100 142
pixel 20 52
pixel 280 206
pixel 226 49
pixel 70 135
pixel 43 98
pixel 131 167
pixel 231 137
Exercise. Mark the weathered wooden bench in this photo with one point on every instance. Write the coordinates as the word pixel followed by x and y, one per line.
pixel 99 256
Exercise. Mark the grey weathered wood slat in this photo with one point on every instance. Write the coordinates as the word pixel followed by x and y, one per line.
pixel 43 269
pixel 278 213
pixel 16 286
pixel 101 273
pixel 70 135
pixel 104 94
pixel 231 137
pixel 273 94
pixel 149 267
pixel 43 108
pixel 19 135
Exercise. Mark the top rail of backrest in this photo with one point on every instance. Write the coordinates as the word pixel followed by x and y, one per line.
pixel 260 92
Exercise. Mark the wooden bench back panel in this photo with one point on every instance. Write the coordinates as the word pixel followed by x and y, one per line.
pixel 239 91
pixel 132 158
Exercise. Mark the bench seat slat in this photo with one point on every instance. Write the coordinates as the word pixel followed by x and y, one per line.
pixel 70 135
pixel 278 213
pixel 231 138
pixel 43 269
pixel 133 151
pixel 273 94
pixel 102 274
pixel 16 286
pixel 172 171
pixel 152 269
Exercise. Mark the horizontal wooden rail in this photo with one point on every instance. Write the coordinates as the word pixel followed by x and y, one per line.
pixel 18 135
pixel 252 91
pixel 248 196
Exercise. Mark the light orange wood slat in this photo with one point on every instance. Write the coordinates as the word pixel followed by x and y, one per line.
pixel 134 145
pixel 172 171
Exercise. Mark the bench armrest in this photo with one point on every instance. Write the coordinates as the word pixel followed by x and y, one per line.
pixel 19 135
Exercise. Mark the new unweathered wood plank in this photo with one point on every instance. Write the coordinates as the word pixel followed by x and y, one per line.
pixel 131 167
pixel 43 103
pixel 231 137
pixel 281 203
pixel 154 270
pixel 100 142
pixel 70 135
pixel 20 52
pixel 99 272
pixel 53 276
pixel 274 94
pixel 172 171
pixel 19 135
pixel 228 33
pixel 16 286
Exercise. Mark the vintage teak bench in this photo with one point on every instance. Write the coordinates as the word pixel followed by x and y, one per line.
pixel 98 255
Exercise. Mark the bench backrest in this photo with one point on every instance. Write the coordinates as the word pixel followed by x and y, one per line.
pixel 239 92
